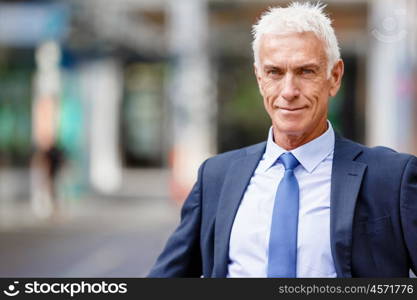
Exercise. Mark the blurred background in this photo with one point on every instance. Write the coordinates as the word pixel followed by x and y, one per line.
pixel 108 107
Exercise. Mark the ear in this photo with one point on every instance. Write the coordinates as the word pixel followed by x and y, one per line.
pixel 336 77
pixel 258 78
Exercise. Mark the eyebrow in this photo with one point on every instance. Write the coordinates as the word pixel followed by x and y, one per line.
pixel 302 66
pixel 309 65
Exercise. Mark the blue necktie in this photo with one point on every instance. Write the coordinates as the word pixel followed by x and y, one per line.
pixel 282 259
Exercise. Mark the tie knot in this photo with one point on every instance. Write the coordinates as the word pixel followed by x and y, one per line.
pixel 289 161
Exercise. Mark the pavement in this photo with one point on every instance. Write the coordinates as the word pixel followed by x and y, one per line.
pixel 117 235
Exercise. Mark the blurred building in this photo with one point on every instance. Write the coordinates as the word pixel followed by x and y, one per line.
pixel 159 83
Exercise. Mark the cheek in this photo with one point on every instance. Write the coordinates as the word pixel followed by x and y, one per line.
pixel 270 90
pixel 320 106
pixel 317 94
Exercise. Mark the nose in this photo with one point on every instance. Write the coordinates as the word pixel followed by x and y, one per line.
pixel 290 91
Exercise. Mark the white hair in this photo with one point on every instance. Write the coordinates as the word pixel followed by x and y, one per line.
pixel 298 17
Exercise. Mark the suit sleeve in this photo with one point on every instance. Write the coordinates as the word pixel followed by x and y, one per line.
pixel 181 256
pixel 408 208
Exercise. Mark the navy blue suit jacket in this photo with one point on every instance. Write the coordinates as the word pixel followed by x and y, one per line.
pixel 373 213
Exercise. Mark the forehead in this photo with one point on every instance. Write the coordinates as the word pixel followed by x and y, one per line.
pixel 292 48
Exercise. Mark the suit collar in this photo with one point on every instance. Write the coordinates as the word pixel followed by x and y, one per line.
pixel 346 181
pixel 236 181
pixel 346 149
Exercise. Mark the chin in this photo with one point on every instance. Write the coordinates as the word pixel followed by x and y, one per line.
pixel 294 128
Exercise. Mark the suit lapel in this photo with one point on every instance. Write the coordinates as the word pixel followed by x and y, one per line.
pixel 236 181
pixel 346 180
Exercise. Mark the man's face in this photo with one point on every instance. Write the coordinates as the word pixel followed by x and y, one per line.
pixel 292 78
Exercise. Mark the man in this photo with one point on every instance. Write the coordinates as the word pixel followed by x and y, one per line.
pixel 306 203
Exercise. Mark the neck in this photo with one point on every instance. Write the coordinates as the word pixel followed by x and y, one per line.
pixel 292 141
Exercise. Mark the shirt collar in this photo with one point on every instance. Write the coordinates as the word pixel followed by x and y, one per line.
pixel 310 155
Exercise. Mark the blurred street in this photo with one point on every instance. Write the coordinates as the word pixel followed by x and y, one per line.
pixel 104 121
pixel 118 236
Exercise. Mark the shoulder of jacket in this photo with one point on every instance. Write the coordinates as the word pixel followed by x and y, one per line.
pixel 381 154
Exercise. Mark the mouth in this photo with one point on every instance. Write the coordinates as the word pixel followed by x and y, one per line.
pixel 290 109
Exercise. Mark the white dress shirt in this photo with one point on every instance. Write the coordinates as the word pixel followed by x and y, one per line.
pixel 248 248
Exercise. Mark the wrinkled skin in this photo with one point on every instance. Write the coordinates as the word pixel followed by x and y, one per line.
pixel 293 81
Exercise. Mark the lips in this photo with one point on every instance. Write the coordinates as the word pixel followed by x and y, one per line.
pixel 291 108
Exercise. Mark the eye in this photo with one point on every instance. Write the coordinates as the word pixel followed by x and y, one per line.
pixel 274 72
pixel 307 71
